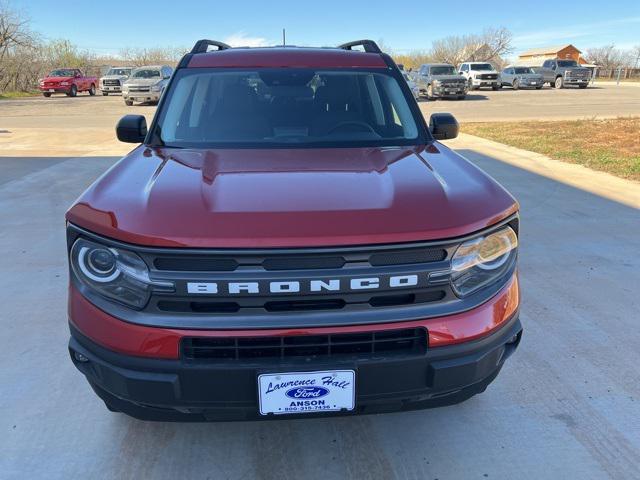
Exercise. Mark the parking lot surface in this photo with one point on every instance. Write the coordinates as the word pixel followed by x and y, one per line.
pixel 601 101
pixel 566 405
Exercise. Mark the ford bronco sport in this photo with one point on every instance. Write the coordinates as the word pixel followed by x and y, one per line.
pixel 289 238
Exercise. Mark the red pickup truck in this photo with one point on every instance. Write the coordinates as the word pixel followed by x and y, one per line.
pixel 289 238
pixel 69 81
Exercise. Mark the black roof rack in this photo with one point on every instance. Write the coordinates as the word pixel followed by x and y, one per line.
pixel 369 46
pixel 202 46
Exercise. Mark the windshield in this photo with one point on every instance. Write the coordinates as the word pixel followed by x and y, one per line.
pixel 481 66
pixel 63 72
pixel 146 73
pixel 567 63
pixel 445 70
pixel 286 107
pixel 523 70
pixel 119 71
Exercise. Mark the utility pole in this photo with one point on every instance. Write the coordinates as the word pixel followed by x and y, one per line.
pixel 284 37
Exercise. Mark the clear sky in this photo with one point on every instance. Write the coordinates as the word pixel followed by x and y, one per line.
pixel 107 26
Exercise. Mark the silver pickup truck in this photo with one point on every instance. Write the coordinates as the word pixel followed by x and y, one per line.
pixel 560 73
pixel 113 80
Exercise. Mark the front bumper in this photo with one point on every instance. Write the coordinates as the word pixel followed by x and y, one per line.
pixel 477 82
pixel 182 390
pixel 111 88
pixel 576 81
pixel 449 91
pixel 56 89
pixel 141 96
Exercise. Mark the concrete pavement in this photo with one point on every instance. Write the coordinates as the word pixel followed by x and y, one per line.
pixel 566 405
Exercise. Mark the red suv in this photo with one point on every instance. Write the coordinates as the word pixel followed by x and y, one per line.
pixel 290 239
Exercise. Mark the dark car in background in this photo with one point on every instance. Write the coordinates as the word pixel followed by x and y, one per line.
pixel 561 73
pixel 441 80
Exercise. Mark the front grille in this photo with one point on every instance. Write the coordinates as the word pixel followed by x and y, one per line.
pixel 202 280
pixel 271 305
pixel 138 89
pixel 226 263
pixel 111 83
pixel 489 76
pixel 365 344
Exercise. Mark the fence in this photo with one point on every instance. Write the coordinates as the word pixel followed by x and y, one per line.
pixel 612 73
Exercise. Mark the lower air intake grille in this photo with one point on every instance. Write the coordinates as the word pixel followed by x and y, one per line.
pixel 389 342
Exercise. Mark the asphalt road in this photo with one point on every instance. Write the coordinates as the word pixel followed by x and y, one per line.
pixel 566 405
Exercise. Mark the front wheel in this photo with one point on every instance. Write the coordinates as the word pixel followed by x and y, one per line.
pixel 494 87
pixel 539 88
pixel 105 94
pixel 92 90
pixel 470 83
pixel 559 82
pixel 73 92
pixel 582 86
pixel 516 84
pixel 128 102
pixel 46 94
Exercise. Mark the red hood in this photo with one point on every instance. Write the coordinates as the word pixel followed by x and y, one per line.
pixel 290 197
pixel 57 79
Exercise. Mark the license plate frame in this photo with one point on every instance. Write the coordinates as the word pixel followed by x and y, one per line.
pixel 319 391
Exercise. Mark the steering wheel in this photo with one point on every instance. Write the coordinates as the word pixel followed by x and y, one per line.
pixel 356 123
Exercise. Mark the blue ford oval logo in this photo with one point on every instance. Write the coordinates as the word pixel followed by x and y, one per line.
pixel 307 392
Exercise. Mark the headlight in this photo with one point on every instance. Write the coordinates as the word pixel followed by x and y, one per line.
pixel 113 273
pixel 436 82
pixel 156 88
pixel 481 261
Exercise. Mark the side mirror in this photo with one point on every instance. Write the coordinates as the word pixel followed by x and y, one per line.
pixel 443 126
pixel 132 129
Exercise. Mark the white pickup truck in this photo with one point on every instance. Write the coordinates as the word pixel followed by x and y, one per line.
pixel 479 74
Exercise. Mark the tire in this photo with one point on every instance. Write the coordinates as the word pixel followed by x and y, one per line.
pixel 105 94
pixel 494 87
pixel 559 83
pixel 46 94
pixel 129 103
pixel 582 86
pixel 92 90
pixel 516 84
pixel 539 88
pixel 429 92
pixel 73 92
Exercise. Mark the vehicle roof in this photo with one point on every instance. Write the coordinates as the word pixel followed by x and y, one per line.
pixel 437 65
pixel 478 63
pixel 297 57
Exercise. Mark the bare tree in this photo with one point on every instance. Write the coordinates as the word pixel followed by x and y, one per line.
pixel 152 56
pixel 607 57
pixel 489 46
pixel 449 50
pixel 635 56
pixel 14 30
